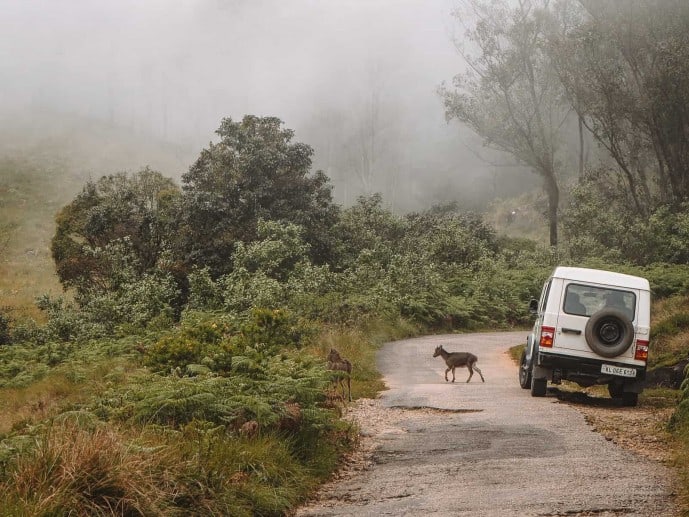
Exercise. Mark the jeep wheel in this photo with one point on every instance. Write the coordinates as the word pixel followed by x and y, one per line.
pixel 524 372
pixel 609 332
pixel 616 390
pixel 538 386
pixel 630 399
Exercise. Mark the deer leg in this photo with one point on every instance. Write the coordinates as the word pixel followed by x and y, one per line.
pixel 453 374
pixel 479 372
pixel 446 374
pixel 349 388
pixel 471 372
pixel 338 384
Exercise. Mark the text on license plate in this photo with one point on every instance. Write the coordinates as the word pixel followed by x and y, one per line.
pixel 618 370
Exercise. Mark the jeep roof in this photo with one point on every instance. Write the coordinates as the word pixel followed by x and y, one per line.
pixel 598 276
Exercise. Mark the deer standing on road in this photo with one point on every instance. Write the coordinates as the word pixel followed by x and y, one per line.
pixel 455 359
pixel 338 364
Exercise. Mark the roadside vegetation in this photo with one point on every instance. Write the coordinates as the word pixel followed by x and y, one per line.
pixel 156 385
pixel 180 368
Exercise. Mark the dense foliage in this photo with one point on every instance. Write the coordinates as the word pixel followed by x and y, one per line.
pixel 190 330
pixel 182 369
pixel 254 172
pixel 118 223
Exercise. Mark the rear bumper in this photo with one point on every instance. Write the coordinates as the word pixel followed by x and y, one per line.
pixel 580 368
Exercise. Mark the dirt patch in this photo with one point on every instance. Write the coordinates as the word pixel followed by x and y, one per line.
pixel 641 429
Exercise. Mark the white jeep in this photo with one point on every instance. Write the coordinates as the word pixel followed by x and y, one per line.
pixel 592 327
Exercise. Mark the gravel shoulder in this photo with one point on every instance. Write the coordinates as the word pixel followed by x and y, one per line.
pixel 428 447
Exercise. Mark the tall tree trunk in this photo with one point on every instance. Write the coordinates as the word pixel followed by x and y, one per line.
pixel 553 193
pixel 581 148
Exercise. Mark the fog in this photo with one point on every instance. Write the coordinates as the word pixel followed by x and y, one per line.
pixel 355 79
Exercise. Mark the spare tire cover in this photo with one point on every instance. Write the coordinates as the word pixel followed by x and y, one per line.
pixel 609 332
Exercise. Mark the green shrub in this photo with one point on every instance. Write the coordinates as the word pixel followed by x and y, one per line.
pixel 204 292
pixel 5 328
pixel 275 329
pixel 667 279
pixel 196 341
pixel 671 326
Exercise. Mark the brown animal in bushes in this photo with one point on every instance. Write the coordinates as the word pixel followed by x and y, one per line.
pixel 455 359
pixel 343 371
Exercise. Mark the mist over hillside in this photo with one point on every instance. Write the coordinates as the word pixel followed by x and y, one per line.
pixel 119 85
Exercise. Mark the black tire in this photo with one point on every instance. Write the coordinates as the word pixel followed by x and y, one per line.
pixel 609 332
pixel 630 399
pixel 538 386
pixel 616 390
pixel 524 372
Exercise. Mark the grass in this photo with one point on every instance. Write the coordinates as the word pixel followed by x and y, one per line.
pixel 90 472
pixel 60 453
pixel 64 387
pixel 36 402
pixel 27 210
pixel 360 345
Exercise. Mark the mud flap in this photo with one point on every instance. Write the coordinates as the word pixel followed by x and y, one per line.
pixel 540 372
pixel 636 386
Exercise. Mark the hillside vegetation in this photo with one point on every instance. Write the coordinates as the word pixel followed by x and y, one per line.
pixel 181 374
pixel 41 171
pixel 166 313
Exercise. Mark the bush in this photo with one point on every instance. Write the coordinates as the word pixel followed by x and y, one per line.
pixel 197 341
pixel 671 326
pixel 667 279
pixel 275 329
pixel 5 328
pixel 204 292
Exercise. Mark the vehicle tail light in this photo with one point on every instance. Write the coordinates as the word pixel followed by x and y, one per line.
pixel 641 351
pixel 547 337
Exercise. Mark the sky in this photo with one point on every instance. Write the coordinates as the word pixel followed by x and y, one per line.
pixel 335 71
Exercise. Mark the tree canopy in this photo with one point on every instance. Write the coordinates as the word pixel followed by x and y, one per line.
pixel 132 212
pixel 625 68
pixel 255 172
pixel 510 95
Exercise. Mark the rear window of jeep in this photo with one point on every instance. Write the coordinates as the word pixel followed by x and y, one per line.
pixel 584 300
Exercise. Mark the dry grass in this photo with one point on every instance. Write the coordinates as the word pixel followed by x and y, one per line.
pixel 37 401
pixel 87 472
pixel 662 309
pixel 28 210
pixel 353 345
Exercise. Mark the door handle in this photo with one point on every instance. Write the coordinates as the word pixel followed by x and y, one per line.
pixel 571 331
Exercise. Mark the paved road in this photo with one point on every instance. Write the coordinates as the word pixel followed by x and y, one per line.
pixel 488 449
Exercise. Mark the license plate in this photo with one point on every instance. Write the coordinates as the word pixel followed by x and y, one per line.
pixel 618 370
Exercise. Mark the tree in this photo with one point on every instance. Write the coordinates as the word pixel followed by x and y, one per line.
pixel 625 68
pixel 511 95
pixel 254 172
pixel 132 214
pixel 367 226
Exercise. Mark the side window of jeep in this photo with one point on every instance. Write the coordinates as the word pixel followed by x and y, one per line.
pixel 544 296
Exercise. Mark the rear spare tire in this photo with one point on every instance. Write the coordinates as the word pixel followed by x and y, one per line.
pixel 609 332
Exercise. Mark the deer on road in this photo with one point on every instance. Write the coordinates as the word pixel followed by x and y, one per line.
pixel 455 359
